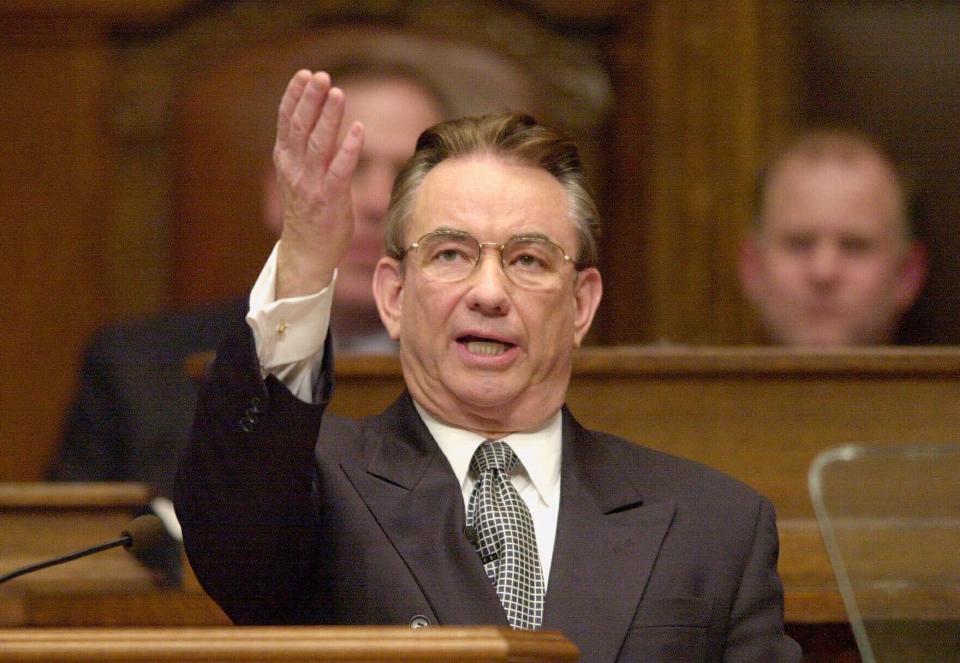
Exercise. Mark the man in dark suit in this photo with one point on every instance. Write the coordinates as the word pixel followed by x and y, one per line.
pixel 132 411
pixel 134 406
pixel 476 498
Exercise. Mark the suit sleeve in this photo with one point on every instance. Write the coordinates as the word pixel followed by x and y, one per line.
pixel 756 620
pixel 243 487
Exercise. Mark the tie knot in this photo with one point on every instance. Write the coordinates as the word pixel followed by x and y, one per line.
pixel 493 455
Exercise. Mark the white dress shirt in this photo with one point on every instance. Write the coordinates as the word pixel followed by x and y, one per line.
pixel 289 335
pixel 537 480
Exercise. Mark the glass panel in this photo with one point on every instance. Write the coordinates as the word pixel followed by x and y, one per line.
pixel 890 518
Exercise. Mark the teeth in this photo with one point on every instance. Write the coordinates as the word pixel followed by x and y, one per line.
pixel 486 347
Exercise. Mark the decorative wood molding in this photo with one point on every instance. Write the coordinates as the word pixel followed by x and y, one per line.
pixel 44 495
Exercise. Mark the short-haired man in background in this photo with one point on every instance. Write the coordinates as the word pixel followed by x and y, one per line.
pixel 832 259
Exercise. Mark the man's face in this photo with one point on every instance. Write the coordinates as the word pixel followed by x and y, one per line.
pixel 394 112
pixel 831 257
pixel 482 352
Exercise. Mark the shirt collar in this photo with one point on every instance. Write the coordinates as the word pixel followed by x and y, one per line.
pixel 538 450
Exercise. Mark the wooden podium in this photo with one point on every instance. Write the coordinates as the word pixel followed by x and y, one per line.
pixel 289 643
pixel 40 521
pixel 96 594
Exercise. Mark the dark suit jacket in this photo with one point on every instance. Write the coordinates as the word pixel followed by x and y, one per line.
pixel 656 558
pixel 132 412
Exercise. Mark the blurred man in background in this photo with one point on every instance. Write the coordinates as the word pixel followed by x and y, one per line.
pixel 832 259
pixel 135 403
pixel 395 105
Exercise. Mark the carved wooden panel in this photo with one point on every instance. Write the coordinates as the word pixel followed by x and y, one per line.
pixel 704 87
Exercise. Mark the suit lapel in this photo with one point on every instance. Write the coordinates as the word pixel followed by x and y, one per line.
pixel 413 493
pixel 607 542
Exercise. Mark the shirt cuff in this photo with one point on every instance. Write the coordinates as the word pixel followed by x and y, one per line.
pixel 289 333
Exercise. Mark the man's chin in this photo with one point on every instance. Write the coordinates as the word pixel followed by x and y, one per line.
pixel 483 394
pixel 822 336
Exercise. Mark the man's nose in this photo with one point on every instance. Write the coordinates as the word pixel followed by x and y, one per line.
pixel 488 285
pixel 825 262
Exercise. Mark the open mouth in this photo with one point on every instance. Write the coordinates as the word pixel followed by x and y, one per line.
pixel 484 346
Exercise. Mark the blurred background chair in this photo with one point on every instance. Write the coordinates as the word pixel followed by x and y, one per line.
pixel 890 519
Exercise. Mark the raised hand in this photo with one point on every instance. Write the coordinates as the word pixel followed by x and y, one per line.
pixel 314 170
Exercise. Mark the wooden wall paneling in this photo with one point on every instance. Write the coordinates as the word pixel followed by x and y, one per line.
pixel 97 12
pixel 154 67
pixel 55 192
pixel 137 265
pixel 626 313
pixel 705 69
pixel 51 206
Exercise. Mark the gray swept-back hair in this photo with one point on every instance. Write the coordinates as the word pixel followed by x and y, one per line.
pixel 515 137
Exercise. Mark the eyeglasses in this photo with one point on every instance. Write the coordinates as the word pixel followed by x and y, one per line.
pixel 533 263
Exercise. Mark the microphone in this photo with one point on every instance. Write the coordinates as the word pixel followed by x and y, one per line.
pixel 471 533
pixel 140 534
pixel 491 555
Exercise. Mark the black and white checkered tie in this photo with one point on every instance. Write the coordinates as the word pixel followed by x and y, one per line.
pixel 505 538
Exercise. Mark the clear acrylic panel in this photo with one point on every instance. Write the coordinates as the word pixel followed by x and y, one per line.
pixel 890 518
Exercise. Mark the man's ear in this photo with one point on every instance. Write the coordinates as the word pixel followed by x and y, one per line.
pixel 912 277
pixel 588 291
pixel 388 291
pixel 749 267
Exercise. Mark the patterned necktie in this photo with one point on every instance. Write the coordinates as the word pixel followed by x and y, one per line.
pixel 505 538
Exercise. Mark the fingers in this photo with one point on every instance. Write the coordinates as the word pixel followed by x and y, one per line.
pixel 288 104
pixel 299 113
pixel 322 142
pixel 315 166
pixel 345 162
pixel 308 124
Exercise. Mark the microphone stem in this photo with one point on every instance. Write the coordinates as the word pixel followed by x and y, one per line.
pixel 122 541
